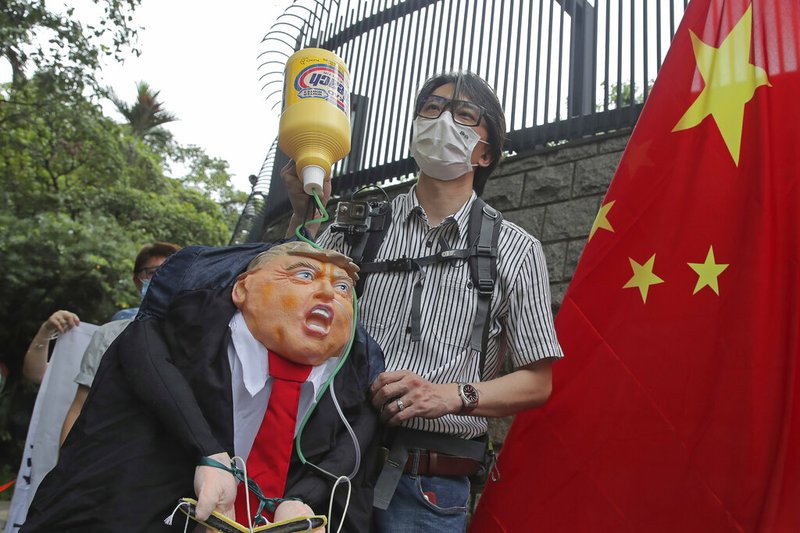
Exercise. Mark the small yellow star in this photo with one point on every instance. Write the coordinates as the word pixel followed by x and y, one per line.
pixel 601 220
pixel 730 82
pixel 643 276
pixel 708 272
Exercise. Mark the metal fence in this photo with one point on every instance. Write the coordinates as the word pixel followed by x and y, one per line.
pixel 563 69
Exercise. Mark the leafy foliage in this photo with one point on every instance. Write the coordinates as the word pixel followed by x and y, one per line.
pixel 621 95
pixel 146 114
pixel 79 195
pixel 35 38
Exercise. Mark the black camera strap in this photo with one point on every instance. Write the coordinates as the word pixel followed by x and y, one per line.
pixel 485 221
pixel 365 249
pixel 483 232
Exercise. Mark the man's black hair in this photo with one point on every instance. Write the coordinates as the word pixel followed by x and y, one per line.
pixel 151 250
pixel 477 91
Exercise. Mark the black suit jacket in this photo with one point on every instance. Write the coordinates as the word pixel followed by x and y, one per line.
pixel 162 399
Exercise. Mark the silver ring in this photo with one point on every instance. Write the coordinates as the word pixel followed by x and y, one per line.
pixel 400 404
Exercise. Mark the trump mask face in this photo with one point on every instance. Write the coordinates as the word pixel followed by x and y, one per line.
pixel 298 301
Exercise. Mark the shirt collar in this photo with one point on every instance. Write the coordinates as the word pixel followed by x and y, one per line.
pixel 462 215
pixel 254 359
pixel 410 204
pixel 407 203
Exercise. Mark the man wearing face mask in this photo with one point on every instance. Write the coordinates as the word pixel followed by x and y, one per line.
pixel 147 261
pixel 438 390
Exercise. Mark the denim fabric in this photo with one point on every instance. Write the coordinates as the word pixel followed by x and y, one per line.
pixel 411 512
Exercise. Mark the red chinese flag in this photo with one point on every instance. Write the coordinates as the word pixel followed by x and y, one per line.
pixel 677 407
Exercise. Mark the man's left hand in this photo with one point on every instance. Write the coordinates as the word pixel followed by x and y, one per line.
pixel 402 395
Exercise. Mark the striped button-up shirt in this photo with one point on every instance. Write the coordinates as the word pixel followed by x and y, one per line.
pixel 521 322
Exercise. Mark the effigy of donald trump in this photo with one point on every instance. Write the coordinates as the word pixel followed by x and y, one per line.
pixel 251 396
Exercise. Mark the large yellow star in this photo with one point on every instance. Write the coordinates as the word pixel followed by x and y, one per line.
pixel 708 272
pixel 643 276
pixel 601 220
pixel 730 82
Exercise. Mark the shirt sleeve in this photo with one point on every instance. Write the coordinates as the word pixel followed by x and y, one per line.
pixel 333 241
pixel 529 325
pixel 99 343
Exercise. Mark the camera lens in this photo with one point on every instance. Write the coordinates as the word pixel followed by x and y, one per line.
pixel 358 210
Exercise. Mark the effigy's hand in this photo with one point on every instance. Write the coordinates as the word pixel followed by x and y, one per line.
pixel 215 489
pixel 402 394
pixel 294 509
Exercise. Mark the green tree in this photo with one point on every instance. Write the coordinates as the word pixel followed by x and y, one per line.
pixel 79 195
pixel 211 175
pixel 72 179
pixel 146 115
pixel 621 95
pixel 35 38
pixel 208 174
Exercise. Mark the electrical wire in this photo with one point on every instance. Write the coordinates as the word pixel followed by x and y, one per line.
pixel 246 492
pixel 328 383
pixel 346 503
pixel 323 218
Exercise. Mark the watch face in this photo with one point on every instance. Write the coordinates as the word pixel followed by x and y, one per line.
pixel 469 393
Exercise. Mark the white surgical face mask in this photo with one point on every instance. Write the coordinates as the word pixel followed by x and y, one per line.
pixel 145 285
pixel 442 148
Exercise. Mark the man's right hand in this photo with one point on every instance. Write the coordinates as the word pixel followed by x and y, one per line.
pixel 299 198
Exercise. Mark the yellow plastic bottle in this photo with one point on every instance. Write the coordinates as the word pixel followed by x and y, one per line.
pixel 315 120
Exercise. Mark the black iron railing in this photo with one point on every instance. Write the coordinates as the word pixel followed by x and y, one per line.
pixel 563 69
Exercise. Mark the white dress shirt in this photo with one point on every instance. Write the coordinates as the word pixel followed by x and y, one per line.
pixel 251 385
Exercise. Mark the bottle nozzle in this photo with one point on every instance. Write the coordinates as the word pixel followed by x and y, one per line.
pixel 313 177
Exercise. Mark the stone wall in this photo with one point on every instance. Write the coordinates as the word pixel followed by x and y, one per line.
pixel 555 194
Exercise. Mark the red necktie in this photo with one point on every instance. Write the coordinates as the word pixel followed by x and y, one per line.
pixel 268 462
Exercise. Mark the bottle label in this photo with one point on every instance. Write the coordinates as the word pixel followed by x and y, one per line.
pixel 322 81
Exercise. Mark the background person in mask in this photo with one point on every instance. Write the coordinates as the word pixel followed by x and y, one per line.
pixel 149 258
pixel 37 462
pixel 147 261
pixel 433 391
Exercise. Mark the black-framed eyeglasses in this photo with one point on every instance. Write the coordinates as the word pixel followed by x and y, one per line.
pixel 463 112
pixel 146 273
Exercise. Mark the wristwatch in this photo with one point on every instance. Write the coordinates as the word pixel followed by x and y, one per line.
pixel 469 398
